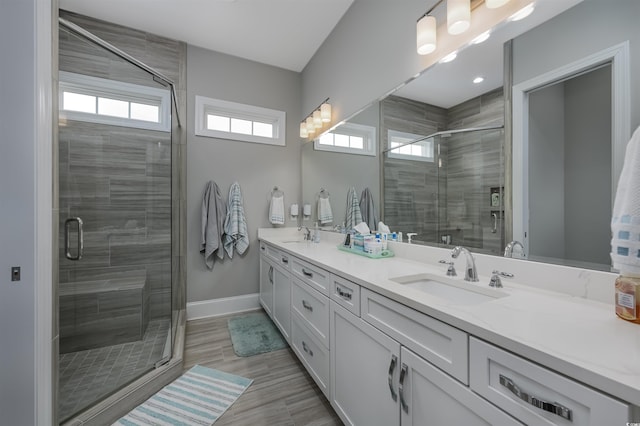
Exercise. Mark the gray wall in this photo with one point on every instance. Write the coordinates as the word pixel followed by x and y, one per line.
pixel 18 105
pixel 594 25
pixel 256 167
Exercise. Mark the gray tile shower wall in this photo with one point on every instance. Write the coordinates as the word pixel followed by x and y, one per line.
pixel 452 198
pixel 119 181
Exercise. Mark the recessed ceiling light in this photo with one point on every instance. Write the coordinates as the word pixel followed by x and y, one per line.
pixel 482 37
pixel 450 57
pixel 478 80
pixel 522 13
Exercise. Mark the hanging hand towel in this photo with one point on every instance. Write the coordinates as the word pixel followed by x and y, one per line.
pixel 276 210
pixel 368 209
pixel 625 221
pixel 353 216
pixel 235 225
pixel 213 216
pixel 325 214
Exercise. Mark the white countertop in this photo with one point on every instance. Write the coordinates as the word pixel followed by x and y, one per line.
pixel 575 336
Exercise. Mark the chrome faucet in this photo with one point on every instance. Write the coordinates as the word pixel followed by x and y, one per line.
pixel 470 273
pixel 307 232
pixel 508 250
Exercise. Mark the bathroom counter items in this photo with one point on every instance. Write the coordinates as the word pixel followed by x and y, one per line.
pixel 560 317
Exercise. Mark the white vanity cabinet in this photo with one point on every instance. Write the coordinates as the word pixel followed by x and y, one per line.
pixel 275 288
pixel 377 381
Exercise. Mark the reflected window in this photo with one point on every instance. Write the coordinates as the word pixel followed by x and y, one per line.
pixel 349 139
pixel 402 146
pixel 216 118
pixel 99 100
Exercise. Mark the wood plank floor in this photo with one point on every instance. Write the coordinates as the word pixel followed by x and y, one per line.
pixel 282 393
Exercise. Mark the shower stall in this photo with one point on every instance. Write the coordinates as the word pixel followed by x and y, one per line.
pixel 448 187
pixel 120 291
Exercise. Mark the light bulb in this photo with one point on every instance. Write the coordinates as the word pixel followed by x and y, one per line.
pixel 458 16
pixel 325 112
pixel 317 120
pixel 426 35
pixel 311 129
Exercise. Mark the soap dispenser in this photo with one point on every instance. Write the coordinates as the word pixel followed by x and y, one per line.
pixel 316 233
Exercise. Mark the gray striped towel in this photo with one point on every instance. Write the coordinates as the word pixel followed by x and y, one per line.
pixel 236 235
pixel 354 216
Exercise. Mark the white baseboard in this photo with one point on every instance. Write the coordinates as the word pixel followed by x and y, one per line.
pixel 224 306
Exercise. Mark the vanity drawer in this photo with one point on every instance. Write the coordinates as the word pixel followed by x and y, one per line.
pixel 346 294
pixel 311 352
pixel 276 255
pixel 312 308
pixel 536 395
pixel 316 277
pixel 444 346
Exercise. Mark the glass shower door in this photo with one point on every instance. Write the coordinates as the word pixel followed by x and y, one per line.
pixel 115 223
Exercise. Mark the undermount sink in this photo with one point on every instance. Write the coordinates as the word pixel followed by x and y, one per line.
pixel 457 292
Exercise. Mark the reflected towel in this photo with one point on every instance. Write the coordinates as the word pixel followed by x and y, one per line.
pixel 325 214
pixel 213 216
pixel 276 210
pixel 353 216
pixel 368 209
pixel 625 221
pixel 235 225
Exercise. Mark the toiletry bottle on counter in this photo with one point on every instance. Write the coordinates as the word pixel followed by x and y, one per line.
pixel 316 233
pixel 628 297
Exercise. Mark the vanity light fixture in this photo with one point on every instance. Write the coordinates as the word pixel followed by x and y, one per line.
pixel 522 13
pixel 426 34
pixel 494 4
pixel 316 119
pixel 458 16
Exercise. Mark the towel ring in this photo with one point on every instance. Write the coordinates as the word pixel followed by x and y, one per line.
pixel 324 194
pixel 276 192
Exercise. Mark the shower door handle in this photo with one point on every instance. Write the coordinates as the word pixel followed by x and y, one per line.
pixel 67 237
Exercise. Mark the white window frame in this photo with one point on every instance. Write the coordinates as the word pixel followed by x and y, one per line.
pixel 411 136
pixel 368 134
pixel 117 90
pixel 206 106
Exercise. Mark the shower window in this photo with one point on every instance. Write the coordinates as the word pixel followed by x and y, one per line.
pixel 402 148
pixel 97 100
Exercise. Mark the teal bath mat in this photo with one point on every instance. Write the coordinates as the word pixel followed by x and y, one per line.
pixel 254 334
pixel 198 397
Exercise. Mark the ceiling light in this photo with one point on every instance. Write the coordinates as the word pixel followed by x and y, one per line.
pixel 478 80
pixel 522 13
pixel 494 4
pixel 481 38
pixel 450 57
pixel 426 34
pixel 458 16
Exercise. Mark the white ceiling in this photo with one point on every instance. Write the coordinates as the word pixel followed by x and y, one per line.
pixel 283 33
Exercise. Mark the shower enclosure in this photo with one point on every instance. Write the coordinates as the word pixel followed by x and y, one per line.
pixel 447 188
pixel 118 293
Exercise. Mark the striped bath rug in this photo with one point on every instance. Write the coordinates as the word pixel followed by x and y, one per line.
pixel 198 397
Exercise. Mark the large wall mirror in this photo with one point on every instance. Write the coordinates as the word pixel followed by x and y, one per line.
pixel 529 151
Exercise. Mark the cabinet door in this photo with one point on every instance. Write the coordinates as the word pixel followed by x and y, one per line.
pixel 282 301
pixel 266 285
pixel 429 396
pixel 364 371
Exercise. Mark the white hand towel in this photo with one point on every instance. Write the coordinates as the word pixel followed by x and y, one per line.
pixel 325 214
pixel 625 221
pixel 276 210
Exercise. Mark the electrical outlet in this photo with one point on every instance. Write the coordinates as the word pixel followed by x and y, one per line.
pixel 15 273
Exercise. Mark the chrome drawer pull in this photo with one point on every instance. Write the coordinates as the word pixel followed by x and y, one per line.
pixel 307 306
pixel 306 348
pixel 551 407
pixel 403 374
pixel 343 294
pixel 307 273
pixel 392 366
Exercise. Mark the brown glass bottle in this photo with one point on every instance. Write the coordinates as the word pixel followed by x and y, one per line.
pixel 628 298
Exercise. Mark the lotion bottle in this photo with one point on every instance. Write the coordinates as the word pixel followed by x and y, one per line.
pixel 628 297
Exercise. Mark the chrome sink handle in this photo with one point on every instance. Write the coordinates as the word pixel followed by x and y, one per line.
pixel 451 270
pixel 470 273
pixel 495 280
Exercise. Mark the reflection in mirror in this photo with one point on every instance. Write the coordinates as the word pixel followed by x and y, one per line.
pixel 449 189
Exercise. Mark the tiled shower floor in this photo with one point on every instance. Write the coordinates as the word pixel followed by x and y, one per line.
pixel 87 376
